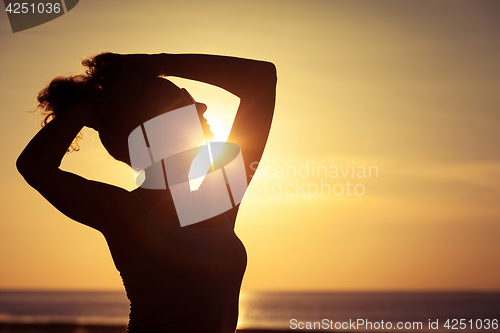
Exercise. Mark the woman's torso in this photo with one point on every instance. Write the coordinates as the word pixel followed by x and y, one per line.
pixel 183 279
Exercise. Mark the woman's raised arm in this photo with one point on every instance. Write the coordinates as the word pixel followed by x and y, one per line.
pixel 95 204
pixel 48 147
pixel 254 82
pixel 239 76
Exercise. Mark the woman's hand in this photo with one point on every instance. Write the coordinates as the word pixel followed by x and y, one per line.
pixel 87 109
pixel 137 63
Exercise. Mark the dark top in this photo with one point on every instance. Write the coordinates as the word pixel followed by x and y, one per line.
pixel 185 279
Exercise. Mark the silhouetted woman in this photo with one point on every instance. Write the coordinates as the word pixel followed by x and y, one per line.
pixel 178 279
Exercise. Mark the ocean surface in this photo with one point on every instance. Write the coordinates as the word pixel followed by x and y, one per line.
pixel 283 311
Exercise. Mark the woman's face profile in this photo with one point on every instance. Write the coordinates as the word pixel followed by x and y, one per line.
pixel 202 108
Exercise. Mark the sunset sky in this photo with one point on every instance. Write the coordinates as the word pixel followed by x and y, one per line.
pixel 408 88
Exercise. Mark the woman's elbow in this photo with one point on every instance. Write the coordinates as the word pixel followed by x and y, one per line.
pixel 271 74
pixel 26 168
pixel 22 165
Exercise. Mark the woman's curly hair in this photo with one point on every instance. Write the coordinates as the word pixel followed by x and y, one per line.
pixel 103 72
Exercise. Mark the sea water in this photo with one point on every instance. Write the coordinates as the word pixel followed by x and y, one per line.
pixel 319 311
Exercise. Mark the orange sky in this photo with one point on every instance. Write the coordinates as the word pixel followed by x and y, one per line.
pixel 410 88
